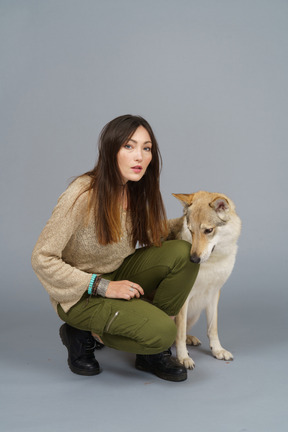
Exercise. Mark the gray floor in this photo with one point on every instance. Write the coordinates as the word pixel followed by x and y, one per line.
pixel 39 393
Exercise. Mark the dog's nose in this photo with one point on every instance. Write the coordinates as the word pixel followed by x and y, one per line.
pixel 195 259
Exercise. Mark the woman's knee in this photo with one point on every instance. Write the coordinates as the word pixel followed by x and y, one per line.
pixel 176 253
pixel 177 248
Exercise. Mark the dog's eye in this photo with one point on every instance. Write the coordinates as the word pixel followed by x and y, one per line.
pixel 208 230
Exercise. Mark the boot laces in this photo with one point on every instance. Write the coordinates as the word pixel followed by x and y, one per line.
pixel 163 354
pixel 90 345
pixel 167 353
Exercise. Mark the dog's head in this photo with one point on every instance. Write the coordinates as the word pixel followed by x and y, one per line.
pixel 212 222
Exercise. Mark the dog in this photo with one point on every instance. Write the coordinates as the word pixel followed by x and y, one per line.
pixel 211 224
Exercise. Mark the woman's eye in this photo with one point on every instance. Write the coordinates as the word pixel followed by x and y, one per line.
pixel 148 149
pixel 208 231
pixel 127 146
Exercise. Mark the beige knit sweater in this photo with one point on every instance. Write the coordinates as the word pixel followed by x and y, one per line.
pixel 67 251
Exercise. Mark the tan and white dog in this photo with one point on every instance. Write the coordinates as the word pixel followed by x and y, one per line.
pixel 211 224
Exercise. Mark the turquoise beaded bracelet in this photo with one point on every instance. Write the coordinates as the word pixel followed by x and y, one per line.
pixel 91 283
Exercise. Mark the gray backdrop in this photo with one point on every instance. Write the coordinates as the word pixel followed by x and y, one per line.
pixel 211 78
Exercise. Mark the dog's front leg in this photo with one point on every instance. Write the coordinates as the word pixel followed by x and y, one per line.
pixel 212 330
pixel 181 350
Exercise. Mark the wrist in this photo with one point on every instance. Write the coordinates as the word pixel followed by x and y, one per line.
pixel 102 287
pixel 92 281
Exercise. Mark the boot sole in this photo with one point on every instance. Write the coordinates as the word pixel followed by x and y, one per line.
pixel 167 377
pixel 71 367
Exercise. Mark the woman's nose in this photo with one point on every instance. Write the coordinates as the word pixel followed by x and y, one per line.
pixel 138 155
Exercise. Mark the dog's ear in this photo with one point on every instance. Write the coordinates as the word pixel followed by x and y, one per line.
pixel 184 198
pixel 221 207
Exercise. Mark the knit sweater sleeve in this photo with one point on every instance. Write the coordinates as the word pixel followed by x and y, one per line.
pixel 64 282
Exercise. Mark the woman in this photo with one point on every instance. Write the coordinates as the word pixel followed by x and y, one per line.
pixel 86 257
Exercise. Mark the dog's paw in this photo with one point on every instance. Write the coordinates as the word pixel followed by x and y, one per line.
pixel 222 354
pixel 188 362
pixel 192 340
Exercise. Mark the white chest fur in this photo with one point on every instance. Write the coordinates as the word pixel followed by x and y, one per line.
pixel 213 273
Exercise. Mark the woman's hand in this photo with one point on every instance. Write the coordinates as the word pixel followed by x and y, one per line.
pixel 124 290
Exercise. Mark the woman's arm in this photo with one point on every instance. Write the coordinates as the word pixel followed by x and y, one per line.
pixel 65 282
pixel 62 281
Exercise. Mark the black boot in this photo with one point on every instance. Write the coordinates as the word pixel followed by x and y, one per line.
pixel 80 345
pixel 162 365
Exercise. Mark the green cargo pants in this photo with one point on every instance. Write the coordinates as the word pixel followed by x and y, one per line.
pixel 137 325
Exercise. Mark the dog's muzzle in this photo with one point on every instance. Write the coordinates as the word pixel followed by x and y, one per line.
pixel 195 259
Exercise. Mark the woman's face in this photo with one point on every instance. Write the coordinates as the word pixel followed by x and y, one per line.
pixel 135 155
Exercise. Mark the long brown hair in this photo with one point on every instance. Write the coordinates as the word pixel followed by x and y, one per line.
pixel 145 204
